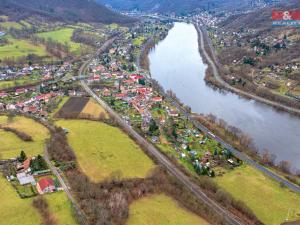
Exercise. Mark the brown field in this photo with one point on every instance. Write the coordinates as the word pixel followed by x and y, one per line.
pixel 93 110
pixel 73 107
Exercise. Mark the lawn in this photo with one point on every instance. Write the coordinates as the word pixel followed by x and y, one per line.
pixel 93 109
pixel 9 24
pixel 161 210
pixel 17 82
pixel 139 41
pixel 16 211
pixel 265 197
pixel 61 208
pixel 102 150
pixel 62 36
pixel 11 145
pixel 17 48
pixel 113 26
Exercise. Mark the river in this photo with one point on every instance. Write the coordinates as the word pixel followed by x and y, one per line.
pixel 178 66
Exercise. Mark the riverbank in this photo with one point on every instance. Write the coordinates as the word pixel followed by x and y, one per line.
pixel 213 75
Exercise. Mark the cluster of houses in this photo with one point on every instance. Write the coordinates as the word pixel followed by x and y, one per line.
pixel 137 92
pixel 27 176
pixel 34 104
pixel 34 72
pixel 130 88
pixel 35 98
pixel 259 45
pixel 13 73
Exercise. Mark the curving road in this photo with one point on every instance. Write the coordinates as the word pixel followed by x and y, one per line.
pixel 217 76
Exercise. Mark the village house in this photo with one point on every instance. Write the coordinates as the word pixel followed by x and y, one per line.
pixel 157 99
pixel 45 185
pixel 20 91
pixel 173 113
pixel 106 92
pixel 25 178
pixel 25 166
pixel 3 94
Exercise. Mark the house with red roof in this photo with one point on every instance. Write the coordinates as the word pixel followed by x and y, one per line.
pixel 96 77
pixel 120 96
pixel 26 164
pixel 3 94
pixel 20 91
pixel 157 99
pixel 45 185
pixel 136 77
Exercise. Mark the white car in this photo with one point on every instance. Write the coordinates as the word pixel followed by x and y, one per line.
pixel 211 134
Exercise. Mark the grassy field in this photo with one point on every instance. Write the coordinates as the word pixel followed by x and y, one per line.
pixel 62 36
pixel 270 202
pixel 11 145
pixel 61 208
pixel 16 211
pixel 112 26
pixel 13 209
pixel 161 210
pixel 93 109
pixel 102 150
pixel 17 48
pixel 139 41
pixel 8 24
pixel 17 82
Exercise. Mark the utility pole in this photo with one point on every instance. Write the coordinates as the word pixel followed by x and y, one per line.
pixel 287 216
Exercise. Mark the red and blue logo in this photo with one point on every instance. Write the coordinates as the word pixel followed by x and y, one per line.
pixel 286 18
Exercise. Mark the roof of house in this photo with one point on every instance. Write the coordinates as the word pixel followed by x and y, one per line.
pixel 25 178
pixel 157 99
pixel 26 164
pixel 45 182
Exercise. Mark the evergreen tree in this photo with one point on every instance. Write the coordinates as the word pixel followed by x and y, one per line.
pixel 23 156
pixel 153 128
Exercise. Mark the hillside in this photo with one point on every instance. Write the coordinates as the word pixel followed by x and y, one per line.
pixel 67 10
pixel 177 6
pixel 258 19
pixel 260 58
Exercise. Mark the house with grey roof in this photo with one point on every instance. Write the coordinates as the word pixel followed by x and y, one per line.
pixel 24 179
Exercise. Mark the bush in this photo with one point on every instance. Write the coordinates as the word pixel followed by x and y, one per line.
pixel 58 146
pixel 20 134
pixel 42 206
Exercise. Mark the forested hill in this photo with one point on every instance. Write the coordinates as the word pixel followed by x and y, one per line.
pixel 68 10
pixel 179 6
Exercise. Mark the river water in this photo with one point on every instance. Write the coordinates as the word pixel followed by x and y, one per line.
pixel 176 63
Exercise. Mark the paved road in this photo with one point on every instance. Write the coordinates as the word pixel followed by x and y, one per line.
pixel 103 48
pixel 229 87
pixel 66 188
pixel 230 218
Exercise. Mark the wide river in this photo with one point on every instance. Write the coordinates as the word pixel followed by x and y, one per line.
pixel 176 63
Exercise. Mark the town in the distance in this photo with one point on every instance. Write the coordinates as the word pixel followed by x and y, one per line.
pixel 156 112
